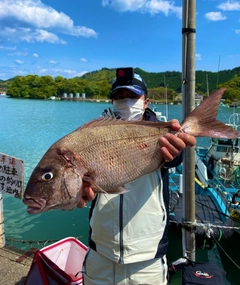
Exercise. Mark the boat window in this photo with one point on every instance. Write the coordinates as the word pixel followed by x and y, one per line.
pixel 236 149
pixel 227 141
pixel 222 148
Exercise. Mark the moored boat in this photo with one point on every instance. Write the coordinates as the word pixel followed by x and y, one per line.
pixel 212 221
pixel 218 167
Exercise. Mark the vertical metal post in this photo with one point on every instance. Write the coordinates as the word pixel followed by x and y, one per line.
pixel 218 71
pixel 207 85
pixel 188 96
pixel 2 234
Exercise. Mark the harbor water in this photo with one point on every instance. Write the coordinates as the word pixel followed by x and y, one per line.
pixel 28 128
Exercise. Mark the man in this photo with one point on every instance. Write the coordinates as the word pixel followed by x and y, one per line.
pixel 129 232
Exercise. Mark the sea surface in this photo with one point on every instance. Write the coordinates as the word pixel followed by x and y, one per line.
pixel 28 128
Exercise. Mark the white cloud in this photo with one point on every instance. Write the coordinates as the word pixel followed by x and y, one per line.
pixel 215 16
pixel 21 72
pixel 8 48
pixel 35 55
pixel 29 35
pixel 105 2
pixel 18 61
pixel 58 71
pixel 83 59
pixel 45 36
pixel 82 73
pixel 43 70
pixel 166 7
pixel 147 6
pixel 198 56
pixel 18 53
pixel 52 62
pixel 69 71
pixel 237 32
pixel 31 21
pixel 229 6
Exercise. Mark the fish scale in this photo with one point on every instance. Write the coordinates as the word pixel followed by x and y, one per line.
pixel 117 149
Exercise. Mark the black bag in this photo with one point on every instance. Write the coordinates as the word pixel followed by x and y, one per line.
pixel 196 273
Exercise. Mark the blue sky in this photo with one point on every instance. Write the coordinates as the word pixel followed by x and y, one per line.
pixel 70 38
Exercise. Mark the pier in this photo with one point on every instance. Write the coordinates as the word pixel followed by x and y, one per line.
pixel 14 265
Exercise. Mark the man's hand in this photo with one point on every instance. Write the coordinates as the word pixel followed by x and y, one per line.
pixel 88 195
pixel 172 145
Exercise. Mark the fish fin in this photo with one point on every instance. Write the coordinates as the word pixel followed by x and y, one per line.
pixel 119 190
pixel 201 122
pixel 98 189
pixel 113 121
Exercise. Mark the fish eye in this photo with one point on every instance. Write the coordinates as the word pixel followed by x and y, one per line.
pixel 47 176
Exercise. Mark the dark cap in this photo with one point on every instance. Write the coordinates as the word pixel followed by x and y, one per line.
pixel 127 79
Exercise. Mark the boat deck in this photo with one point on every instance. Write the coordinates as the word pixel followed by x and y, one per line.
pixel 205 211
pixel 210 224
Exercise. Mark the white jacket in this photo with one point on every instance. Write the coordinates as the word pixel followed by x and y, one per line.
pixel 128 228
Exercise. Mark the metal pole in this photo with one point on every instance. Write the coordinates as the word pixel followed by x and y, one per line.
pixel 218 71
pixel 166 102
pixel 2 234
pixel 188 96
pixel 207 85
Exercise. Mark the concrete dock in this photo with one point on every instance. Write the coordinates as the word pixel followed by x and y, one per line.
pixel 14 265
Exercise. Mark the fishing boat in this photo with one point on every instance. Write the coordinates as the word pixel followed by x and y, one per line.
pixel 159 115
pixel 217 169
pixel 217 194
pixel 212 221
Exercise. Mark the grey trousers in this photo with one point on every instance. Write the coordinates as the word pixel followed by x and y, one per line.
pixel 99 270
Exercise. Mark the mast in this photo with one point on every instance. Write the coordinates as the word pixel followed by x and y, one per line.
pixel 207 85
pixel 218 71
pixel 188 97
pixel 166 99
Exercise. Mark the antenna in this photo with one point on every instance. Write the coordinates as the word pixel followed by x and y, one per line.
pixel 207 85
pixel 218 71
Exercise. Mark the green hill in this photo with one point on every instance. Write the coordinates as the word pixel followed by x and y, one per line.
pixel 97 84
pixel 173 79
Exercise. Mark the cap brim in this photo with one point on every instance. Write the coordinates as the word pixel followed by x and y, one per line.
pixel 135 89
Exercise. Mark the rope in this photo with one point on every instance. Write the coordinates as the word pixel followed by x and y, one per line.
pixel 226 254
pixel 44 242
pixel 188 223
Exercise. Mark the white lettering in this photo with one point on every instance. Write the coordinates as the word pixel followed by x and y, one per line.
pixel 202 273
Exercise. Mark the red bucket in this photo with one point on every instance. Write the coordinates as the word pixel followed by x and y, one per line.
pixel 59 263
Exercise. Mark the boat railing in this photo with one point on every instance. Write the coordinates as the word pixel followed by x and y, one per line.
pixel 175 190
pixel 220 188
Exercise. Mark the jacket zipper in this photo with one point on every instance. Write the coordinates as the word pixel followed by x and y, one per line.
pixel 160 200
pixel 121 229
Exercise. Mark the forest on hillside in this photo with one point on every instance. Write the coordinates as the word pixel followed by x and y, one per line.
pixel 97 84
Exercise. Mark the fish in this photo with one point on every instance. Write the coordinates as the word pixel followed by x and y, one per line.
pixel 109 153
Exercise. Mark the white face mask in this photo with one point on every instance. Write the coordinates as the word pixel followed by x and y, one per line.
pixel 129 109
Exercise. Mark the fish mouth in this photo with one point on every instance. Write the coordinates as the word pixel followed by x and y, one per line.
pixel 35 206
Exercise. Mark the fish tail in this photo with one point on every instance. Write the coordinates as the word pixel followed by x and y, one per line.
pixel 201 122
